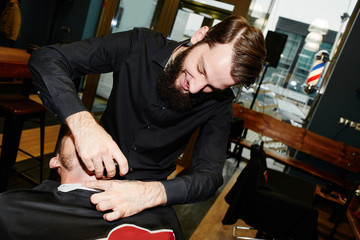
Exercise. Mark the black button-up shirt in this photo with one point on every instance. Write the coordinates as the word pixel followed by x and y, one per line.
pixel 149 133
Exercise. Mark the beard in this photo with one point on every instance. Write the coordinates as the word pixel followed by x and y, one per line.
pixel 173 96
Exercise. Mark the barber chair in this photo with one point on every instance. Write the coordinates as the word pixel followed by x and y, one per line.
pixel 348 209
pixel 351 210
pixel 16 109
pixel 274 203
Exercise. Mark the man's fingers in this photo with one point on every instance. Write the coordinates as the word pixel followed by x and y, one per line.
pixel 111 216
pixel 97 184
pixel 109 166
pixel 122 198
pixel 95 146
pixel 122 162
pixel 88 164
pixel 99 167
pixel 103 203
pixel 103 206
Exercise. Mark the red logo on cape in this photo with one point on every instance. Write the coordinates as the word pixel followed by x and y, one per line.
pixel 133 232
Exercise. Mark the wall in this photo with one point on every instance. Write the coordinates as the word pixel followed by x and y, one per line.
pixel 340 98
pixel 42 21
pixel 36 22
pixel 69 15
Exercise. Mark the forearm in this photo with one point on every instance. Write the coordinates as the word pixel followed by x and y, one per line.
pixel 79 123
pixel 154 194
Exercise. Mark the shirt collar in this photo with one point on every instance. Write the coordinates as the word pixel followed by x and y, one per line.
pixel 67 187
pixel 163 55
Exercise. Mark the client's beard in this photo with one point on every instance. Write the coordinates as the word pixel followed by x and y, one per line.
pixel 177 100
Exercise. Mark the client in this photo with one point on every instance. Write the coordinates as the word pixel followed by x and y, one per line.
pixel 64 211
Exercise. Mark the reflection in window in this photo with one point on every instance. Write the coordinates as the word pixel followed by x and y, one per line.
pixel 192 15
pixel 297 19
pixel 259 11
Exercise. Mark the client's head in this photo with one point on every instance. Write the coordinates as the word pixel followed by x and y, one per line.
pixel 67 162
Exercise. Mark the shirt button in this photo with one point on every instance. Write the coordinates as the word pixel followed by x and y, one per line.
pixel 38 92
pixel 134 148
pixel 163 108
pixel 148 127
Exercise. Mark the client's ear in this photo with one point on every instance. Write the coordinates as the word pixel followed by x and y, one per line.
pixel 54 162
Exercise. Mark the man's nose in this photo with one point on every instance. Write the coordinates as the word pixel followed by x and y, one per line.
pixel 198 84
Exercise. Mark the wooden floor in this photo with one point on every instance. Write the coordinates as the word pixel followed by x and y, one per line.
pixel 211 226
pixel 30 141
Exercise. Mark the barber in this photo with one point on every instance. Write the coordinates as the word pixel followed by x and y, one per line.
pixel 163 90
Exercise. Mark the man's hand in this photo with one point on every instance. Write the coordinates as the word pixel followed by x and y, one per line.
pixel 95 146
pixel 126 198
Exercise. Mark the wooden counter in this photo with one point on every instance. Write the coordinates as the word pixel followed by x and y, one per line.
pixel 13 63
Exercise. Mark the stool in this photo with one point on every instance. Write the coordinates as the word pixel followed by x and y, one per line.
pixel 16 109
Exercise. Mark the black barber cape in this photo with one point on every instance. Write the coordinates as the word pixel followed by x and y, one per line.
pixel 46 213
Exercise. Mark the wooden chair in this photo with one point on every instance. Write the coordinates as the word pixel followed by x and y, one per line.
pixel 350 206
pixel 16 109
pixel 353 206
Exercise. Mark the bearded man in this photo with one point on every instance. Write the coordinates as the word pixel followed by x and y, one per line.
pixel 163 90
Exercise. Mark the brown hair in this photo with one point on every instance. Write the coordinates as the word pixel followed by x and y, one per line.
pixel 249 47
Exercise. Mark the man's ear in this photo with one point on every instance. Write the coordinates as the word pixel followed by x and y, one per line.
pixel 54 162
pixel 199 34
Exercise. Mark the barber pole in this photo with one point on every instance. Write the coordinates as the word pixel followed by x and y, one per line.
pixel 317 69
pixel 315 73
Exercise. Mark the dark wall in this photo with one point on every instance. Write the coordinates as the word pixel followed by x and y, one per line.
pixel 70 19
pixel 36 20
pixel 341 98
pixel 52 21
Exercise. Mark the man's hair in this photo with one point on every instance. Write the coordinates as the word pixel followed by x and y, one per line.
pixel 249 47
